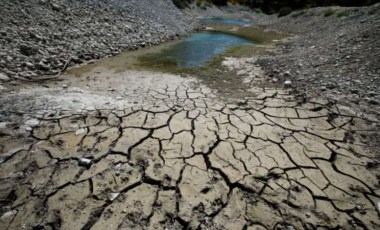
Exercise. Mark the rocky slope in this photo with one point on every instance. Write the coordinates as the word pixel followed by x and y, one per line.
pixel 332 51
pixel 44 37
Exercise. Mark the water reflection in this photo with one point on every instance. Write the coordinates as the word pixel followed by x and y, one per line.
pixel 224 21
pixel 197 49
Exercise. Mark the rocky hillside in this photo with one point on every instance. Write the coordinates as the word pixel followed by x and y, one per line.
pixel 40 37
pixel 333 50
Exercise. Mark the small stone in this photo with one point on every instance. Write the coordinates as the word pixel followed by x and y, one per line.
pixel 274 80
pixel 4 77
pixel 28 128
pixel 29 64
pixel 287 73
pixel 378 207
pixel 288 83
pixel 84 162
pixel 3 125
pixel 323 88
pixel 119 98
pixel 65 86
pixel 80 132
pixel 308 214
pixel 8 215
pixel 32 122
pixel 114 195
pixel 55 6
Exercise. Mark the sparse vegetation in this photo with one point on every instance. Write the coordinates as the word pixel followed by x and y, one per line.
pixel 329 12
pixel 181 4
pixel 273 6
pixel 298 13
pixel 199 3
pixel 257 11
pixel 344 13
pixel 285 11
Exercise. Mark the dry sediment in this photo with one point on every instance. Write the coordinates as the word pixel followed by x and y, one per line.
pixel 173 155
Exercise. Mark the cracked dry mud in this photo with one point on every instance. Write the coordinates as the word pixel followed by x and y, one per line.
pixel 178 156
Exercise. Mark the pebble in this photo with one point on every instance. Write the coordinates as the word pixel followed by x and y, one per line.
pixel 4 77
pixel 3 125
pixel 8 215
pixel 29 64
pixel 32 122
pixel 55 6
pixel 274 80
pixel 288 83
pixel 65 86
pixel 84 162
pixel 114 195
pixel 80 132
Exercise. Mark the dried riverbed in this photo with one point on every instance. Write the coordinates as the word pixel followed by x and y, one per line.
pixel 114 148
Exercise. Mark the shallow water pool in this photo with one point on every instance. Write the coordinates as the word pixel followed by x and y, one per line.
pixel 224 21
pixel 198 49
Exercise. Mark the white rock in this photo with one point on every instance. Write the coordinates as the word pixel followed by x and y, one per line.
pixel 28 128
pixel 4 77
pixel 3 125
pixel 114 195
pixel 274 80
pixel 119 98
pixel 84 162
pixel 32 122
pixel 29 64
pixel 288 83
pixel 80 132
pixel 8 215
pixel 378 207
pixel 65 86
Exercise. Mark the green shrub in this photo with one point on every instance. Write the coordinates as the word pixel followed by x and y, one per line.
pixel 181 4
pixel 284 11
pixel 199 3
pixel 298 13
pixel 344 13
pixel 329 12
pixel 257 11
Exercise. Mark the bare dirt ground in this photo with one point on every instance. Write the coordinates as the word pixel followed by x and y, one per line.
pixel 141 150
pixel 132 149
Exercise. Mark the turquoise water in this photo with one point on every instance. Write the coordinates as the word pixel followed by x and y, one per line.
pixel 224 21
pixel 199 48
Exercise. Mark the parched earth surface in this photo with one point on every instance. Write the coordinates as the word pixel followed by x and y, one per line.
pixel 141 150
pixel 133 149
